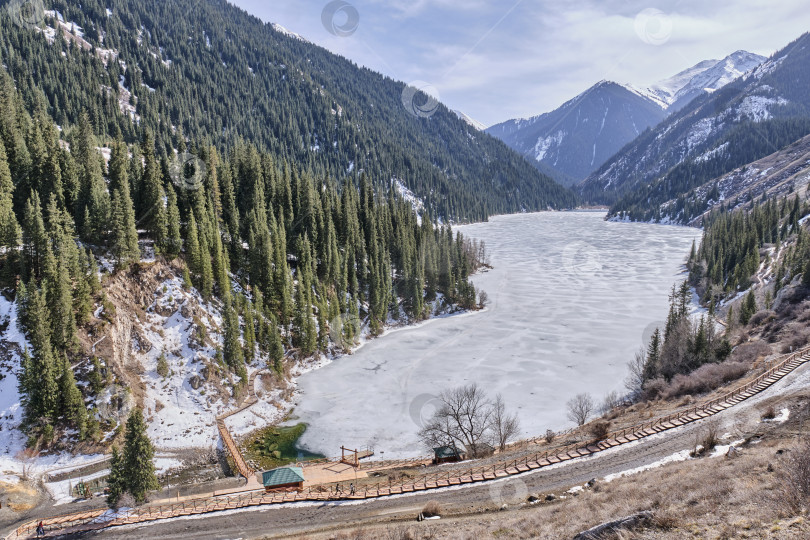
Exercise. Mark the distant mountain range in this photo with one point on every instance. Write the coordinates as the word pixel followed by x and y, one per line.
pixel 745 120
pixel 574 140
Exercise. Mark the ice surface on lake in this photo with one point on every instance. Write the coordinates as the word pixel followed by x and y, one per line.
pixel 570 297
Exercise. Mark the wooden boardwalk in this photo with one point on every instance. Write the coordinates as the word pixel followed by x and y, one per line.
pixel 98 519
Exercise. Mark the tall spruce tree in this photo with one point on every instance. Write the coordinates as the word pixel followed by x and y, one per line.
pixel 138 468
pixel 9 227
pixel 72 405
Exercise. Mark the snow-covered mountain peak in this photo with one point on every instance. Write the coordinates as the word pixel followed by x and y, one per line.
pixel 471 121
pixel 281 30
pixel 706 76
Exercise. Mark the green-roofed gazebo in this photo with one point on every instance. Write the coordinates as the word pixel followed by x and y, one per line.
pixel 283 478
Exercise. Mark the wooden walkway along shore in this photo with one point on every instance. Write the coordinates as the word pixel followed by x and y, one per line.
pixel 97 519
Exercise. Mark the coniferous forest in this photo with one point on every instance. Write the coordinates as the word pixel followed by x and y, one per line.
pixel 208 71
pixel 286 253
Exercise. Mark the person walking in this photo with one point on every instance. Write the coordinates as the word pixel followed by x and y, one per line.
pixel 40 529
pixel 351 488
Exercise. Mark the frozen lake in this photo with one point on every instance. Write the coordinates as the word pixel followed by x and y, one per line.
pixel 570 298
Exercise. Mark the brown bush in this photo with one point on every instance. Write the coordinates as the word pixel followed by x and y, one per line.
pixel 766 315
pixel 769 413
pixel 705 379
pixel 431 509
pixel 599 429
pixel 654 389
pixel 797 336
pixel 750 352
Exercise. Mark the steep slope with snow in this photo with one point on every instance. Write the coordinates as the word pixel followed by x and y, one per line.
pixel 745 120
pixel 773 176
pixel 472 122
pixel 583 133
pixel 708 76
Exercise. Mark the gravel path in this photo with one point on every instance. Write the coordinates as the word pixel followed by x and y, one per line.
pixel 294 519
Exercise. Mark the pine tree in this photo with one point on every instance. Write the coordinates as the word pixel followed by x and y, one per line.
pixel 653 363
pixel 34 238
pixel 173 242
pixel 749 307
pixel 115 481
pixel 231 347
pixel 152 207
pixel 193 252
pixel 94 199
pixel 72 400
pixel 138 468
pixel 44 392
pixel 9 228
pixel 249 334
pixel 124 241
pixel 57 285
pixel 206 273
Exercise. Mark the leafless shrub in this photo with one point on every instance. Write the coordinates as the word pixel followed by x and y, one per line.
pixel 763 316
pixel 600 430
pixel 795 476
pixel 610 402
pixel 769 413
pixel 654 388
pixel 483 298
pixel 750 352
pixel 549 435
pixel 705 379
pixel 126 501
pixel 28 458
pixel 432 508
pixel 798 335
pixel 580 408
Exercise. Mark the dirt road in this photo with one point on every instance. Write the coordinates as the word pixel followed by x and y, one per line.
pixel 298 519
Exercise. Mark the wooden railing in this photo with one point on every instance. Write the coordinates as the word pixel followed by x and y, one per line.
pixel 95 520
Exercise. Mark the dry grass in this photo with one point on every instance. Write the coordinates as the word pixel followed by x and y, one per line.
pixel 711 497
pixel 19 497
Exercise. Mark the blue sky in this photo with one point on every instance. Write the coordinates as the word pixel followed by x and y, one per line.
pixel 517 58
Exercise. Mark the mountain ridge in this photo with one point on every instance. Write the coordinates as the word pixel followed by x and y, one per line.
pixel 743 121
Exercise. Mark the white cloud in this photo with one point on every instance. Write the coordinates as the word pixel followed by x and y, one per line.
pixel 498 60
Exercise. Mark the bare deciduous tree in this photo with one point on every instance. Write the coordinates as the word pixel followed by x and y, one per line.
pixel 504 425
pixel 580 408
pixel 468 420
pixel 483 298
pixel 28 458
pixel 610 402
pixel 635 379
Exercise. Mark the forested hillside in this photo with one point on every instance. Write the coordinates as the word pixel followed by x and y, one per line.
pixel 207 71
pixel 283 256
pixel 746 120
